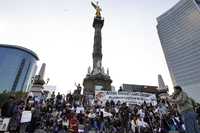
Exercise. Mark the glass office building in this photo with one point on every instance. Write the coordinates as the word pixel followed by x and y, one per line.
pixel 179 33
pixel 17 67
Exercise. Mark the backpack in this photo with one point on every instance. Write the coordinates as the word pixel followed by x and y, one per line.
pixel 193 103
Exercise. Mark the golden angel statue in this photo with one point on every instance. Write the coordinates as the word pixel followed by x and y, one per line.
pixel 98 9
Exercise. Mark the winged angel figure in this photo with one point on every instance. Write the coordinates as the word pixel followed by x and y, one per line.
pixel 98 9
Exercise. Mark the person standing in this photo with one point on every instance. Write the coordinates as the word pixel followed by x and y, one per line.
pixel 185 108
pixel 124 116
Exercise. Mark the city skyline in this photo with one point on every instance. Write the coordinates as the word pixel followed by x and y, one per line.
pixel 60 30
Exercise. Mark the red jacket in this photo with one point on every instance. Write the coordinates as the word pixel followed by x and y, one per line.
pixel 73 125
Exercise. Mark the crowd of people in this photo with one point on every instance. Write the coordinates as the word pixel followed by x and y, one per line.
pixel 62 114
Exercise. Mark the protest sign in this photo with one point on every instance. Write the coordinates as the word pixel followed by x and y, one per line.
pixel 80 109
pixel 26 116
pixel 125 97
pixel 4 124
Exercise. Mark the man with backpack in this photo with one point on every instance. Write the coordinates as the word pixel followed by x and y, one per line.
pixel 186 109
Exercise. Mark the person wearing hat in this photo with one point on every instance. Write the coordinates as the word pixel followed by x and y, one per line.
pixel 185 108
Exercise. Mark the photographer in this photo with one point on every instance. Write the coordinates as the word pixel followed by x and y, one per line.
pixel 185 108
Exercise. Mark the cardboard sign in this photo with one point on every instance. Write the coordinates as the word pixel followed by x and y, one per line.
pixel 4 124
pixel 26 116
pixel 79 109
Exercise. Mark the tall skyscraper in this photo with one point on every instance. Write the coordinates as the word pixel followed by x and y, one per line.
pixel 179 33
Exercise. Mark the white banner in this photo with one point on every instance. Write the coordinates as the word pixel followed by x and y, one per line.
pixel 125 97
pixel 4 124
pixel 26 116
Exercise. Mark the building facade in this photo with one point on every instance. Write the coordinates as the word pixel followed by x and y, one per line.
pixel 17 67
pixel 179 33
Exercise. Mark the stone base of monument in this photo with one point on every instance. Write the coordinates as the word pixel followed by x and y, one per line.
pixel 92 82
pixel 37 90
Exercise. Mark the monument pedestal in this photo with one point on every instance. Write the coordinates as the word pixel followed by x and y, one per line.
pixel 37 90
pixel 96 82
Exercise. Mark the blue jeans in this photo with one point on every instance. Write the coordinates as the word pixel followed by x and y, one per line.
pixel 190 121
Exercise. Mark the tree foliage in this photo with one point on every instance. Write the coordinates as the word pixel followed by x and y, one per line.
pixel 4 96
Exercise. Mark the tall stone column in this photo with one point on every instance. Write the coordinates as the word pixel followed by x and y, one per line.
pixel 38 82
pixel 97 48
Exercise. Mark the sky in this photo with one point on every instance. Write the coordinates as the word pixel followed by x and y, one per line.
pixel 61 33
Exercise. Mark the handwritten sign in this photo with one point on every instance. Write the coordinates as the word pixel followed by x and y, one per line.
pixel 26 116
pixel 4 124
